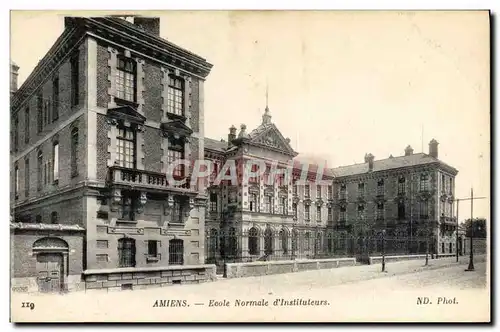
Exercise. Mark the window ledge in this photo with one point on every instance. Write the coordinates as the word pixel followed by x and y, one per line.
pixel 176 224
pixel 119 101
pixel 121 221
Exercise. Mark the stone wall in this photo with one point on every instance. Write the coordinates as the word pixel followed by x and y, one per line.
pixel 480 246
pixel 239 270
pixel 378 259
pixel 141 278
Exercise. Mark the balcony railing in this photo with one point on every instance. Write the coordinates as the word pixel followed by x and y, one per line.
pixel 147 179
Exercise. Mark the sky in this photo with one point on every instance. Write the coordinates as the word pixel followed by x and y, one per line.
pixel 341 84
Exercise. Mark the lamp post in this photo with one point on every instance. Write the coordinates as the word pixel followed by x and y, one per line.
pixel 383 251
pixel 471 257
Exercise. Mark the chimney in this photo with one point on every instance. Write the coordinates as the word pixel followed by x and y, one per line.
pixel 149 24
pixel 14 73
pixel 433 148
pixel 369 158
pixel 231 136
pixel 408 151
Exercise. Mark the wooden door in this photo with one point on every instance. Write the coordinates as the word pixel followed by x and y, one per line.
pixel 50 272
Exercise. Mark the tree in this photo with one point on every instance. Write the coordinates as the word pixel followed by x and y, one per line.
pixel 478 229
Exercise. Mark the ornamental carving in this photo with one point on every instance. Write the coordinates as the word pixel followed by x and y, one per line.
pixel 142 202
pixel 116 199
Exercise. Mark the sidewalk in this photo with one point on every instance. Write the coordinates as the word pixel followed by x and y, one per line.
pixel 352 274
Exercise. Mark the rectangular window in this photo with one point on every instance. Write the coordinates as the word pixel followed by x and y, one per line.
pixel 442 247
pixel 55 98
pixel 269 204
pixel 283 206
pixel 330 214
pixel 39 112
pixel 16 182
pixel 213 202
pixel 443 183
pixel 342 191
pixel 424 182
pixel 74 152
pixel 380 211
pixel 125 147
pixel 179 207
pixel 307 191
pixel 253 202
pixel 342 214
pixel 27 125
pixel 173 155
pixel 424 212
pixel 294 206
pixel 55 162
pixel 401 185
pixel 75 63
pixel 175 96
pixel 295 190
pixel 39 170
pixel 307 215
pixel 176 252
pixel 401 211
pixel 26 177
pixel 361 189
pixel 318 191
pixel 129 203
pixel 16 132
pixel 318 213
pixel 125 79
pixel 450 249
pixel 380 187
pixel 153 248
pixel 330 192
pixel 361 212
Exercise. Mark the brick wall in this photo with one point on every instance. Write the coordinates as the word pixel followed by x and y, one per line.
pixel 152 149
pixel 480 245
pixel 24 262
pixel 102 147
pixel 153 86
pixel 102 76
pixel 69 210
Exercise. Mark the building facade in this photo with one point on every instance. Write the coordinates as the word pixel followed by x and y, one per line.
pixel 408 199
pixel 95 126
pixel 262 219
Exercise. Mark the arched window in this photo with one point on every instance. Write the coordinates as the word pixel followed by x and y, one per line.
pixel 55 161
pixel 212 242
pixel 126 252
pixel 268 242
pixel 74 152
pixel 284 241
pixel 54 218
pixel 176 252
pixel 39 170
pixel 253 241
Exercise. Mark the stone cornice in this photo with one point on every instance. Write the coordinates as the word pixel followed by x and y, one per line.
pixel 156 47
pixel 60 50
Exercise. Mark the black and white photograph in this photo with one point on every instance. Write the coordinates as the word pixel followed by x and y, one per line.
pixel 250 166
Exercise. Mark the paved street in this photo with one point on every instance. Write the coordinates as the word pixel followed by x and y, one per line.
pixel 351 293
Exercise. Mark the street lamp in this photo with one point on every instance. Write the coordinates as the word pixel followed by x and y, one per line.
pixel 427 245
pixel 383 251
pixel 471 257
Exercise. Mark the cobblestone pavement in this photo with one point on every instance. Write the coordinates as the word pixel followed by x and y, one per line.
pixel 359 293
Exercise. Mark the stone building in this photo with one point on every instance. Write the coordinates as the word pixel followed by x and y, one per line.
pixel 410 197
pixel 94 128
pixel 261 219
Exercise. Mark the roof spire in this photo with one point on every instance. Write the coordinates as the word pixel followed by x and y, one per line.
pixel 266 118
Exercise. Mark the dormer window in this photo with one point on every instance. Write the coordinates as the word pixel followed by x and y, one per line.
pixel 175 96
pixel 126 79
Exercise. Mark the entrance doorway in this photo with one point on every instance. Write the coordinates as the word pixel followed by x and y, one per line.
pixel 50 268
pixel 51 264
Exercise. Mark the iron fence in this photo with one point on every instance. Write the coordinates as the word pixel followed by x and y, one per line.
pixel 227 246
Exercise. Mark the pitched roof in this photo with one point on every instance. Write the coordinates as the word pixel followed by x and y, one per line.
pixel 389 163
pixel 216 145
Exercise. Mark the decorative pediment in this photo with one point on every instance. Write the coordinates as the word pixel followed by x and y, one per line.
pixel 319 201
pixel 307 201
pixel 176 127
pixel 270 137
pixel 126 113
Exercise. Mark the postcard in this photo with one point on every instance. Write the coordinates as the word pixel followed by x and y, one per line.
pixel 250 166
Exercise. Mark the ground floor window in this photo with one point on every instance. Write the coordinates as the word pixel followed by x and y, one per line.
pixel 126 252
pixel 176 252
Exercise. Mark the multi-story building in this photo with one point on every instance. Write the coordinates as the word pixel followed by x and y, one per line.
pixel 409 197
pixel 262 219
pixel 94 128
